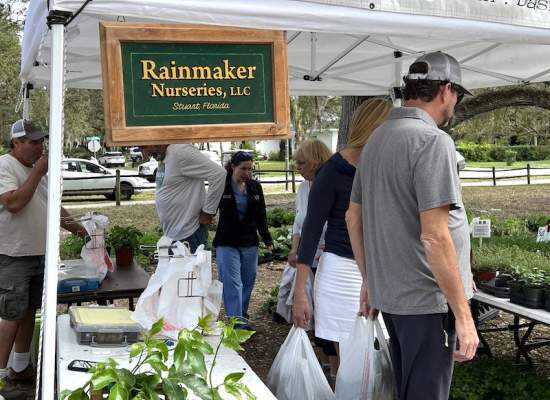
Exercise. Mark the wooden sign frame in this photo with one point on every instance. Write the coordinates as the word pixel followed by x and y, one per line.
pixel 116 131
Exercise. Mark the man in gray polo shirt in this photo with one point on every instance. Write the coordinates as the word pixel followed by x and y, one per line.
pixel 410 233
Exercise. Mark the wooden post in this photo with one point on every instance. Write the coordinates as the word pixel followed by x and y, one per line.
pixel 117 187
pixel 494 177
pixel 286 165
pixel 528 174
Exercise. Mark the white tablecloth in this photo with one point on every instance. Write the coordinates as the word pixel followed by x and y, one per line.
pixel 68 349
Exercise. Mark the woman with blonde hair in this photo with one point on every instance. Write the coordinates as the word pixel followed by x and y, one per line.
pixel 337 281
pixel 308 158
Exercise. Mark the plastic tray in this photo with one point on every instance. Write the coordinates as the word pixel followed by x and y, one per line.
pixel 104 326
pixel 74 276
pixel 502 292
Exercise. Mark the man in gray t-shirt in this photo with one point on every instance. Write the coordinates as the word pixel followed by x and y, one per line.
pixel 410 233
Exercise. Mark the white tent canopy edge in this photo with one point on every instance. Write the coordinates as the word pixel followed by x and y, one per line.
pixel 492 54
pixel 353 48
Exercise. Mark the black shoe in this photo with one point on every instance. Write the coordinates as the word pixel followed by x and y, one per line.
pixel 278 318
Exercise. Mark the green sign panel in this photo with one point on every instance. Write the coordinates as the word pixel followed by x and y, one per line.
pixel 195 83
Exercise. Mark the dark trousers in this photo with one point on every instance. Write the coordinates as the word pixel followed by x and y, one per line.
pixel 421 348
pixel 200 236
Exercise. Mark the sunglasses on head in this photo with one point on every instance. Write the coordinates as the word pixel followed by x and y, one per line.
pixel 241 156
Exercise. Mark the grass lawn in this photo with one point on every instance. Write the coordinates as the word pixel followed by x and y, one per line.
pixel 273 166
pixel 518 164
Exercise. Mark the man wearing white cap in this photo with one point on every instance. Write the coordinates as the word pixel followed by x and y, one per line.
pixel 410 235
pixel 23 210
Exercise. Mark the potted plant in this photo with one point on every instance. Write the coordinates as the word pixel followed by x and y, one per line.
pixel 527 287
pixel 484 274
pixel 124 240
pixel 161 373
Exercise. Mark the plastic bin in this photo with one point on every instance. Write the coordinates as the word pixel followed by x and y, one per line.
pixel 104 326
pixel 75 276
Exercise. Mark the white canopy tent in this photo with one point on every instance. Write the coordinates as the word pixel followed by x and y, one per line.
pixel 350 47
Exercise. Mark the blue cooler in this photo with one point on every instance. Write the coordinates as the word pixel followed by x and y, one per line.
pixel 75 276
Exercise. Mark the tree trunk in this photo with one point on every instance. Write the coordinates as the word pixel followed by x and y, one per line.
pixel 349 104
pixel 515 96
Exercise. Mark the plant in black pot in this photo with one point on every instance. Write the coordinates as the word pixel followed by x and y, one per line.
pixel 527 288
pixel 124 241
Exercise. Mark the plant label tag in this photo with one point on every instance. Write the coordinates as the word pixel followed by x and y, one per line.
pixel 543 235
pixel 481 228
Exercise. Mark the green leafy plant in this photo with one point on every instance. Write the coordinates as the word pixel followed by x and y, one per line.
pixel 124 236
pixel 155 374
pixel 529 277
pixel 497 380
pixel 70 247
pixel 270 303
pixel 278 217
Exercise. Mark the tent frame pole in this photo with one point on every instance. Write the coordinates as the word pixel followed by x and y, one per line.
pixel 49 302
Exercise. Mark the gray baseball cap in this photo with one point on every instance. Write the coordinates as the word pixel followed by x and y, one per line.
pixel 24 128
pixel 437 66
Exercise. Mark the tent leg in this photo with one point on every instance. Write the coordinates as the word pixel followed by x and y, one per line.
pixel 398 71
pixel 49 302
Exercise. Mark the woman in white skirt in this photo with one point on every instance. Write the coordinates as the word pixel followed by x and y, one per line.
pixel 337 281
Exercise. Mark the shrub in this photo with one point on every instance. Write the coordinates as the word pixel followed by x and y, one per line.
pixel 505 257
pixel 510 157
pixel 70 247
pixel 497 380
pixel 279 216
pixel 274 156
pixel 474 152
pixel 497 153
pixel 535 221
pixel 270 304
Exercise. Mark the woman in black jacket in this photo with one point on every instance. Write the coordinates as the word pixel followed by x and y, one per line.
pixel 242 216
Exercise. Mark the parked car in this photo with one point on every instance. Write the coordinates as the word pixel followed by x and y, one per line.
pixel 135 154
pixel 112 159
pixel 82 177
pixel 148 169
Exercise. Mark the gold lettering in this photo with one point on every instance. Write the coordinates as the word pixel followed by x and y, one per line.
pixel 184 72
pixel 228 70
pixel 204 72
pixel 157 89
pixel 241 72
pixel 250 72
pixel 164 73
pixel 218 73
pixel 148 69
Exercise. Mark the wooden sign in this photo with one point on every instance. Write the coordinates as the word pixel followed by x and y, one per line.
pixel 187 83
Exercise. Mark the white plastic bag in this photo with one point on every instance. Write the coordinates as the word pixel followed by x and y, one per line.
pixel 286 293
pixel 365 372
pixel 93 252
pixel 296 373
pixel 181 290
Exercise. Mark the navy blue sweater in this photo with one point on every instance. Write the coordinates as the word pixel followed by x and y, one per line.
pixel 328 202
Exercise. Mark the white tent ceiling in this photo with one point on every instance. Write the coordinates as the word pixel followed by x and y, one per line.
pixel 351 48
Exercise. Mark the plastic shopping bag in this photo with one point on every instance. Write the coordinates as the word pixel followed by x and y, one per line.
pixel 181 290
pixel 365 371
pixel 286 292
pixel 296 373
pixel 93 252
